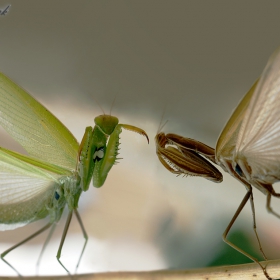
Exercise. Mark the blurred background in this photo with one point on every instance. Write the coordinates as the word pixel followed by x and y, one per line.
pixel 194 58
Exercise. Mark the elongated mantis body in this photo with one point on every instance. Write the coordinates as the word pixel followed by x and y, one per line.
pixel 248 147
pixel 57 169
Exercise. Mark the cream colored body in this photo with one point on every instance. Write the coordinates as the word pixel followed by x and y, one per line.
pixel 248 147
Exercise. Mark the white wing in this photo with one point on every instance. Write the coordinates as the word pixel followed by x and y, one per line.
pixel 25 190
pixel 258 140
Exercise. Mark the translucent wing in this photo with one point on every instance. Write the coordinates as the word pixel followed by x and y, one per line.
pixel 258 138
pixel 25 190
pixel 34 127
pixel 227 140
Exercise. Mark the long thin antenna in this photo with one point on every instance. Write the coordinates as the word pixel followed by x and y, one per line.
pixel 113 104
pixel 161 126
pixel 95 100
pixel 99 105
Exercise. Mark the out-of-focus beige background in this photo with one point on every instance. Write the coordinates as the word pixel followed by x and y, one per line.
pixel 194 58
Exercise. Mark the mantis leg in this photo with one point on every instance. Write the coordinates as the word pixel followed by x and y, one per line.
pixel 44 247
pixel 193 145
pixel 20 243
pixel 254 223
pixel 268 204
pixel 85 237
pixel 58 255
pixel 248 195
pixel 68 221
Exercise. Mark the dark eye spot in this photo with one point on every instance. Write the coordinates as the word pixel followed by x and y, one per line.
pixel 56 196
pixel 238 170
pixel 98 154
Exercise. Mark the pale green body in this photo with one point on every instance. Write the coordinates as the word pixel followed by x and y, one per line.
pixel 57 169
pixel 61 186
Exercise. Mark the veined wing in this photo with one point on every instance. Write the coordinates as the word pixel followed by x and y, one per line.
pixel 25 190
pixel 34 127
pixel 228 137
pixel 258 138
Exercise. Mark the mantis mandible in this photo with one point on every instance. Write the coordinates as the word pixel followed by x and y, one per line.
pixel 57 169
pixel 248 148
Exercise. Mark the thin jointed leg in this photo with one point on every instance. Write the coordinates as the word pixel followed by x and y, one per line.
pixel 238 211
pixel 255 225
pixel 268 204
pixel 85 237
pixel 20 243
pixel 44 247
pixel 63 239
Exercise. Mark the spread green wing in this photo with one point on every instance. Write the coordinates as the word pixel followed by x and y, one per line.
pixel 41 134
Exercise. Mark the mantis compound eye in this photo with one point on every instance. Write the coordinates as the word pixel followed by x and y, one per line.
pixel 238 170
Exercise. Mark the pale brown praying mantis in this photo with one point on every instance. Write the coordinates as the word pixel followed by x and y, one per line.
pixel 248 147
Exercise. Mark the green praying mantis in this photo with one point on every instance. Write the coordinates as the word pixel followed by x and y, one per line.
pixel 248 147
pixel 57 168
